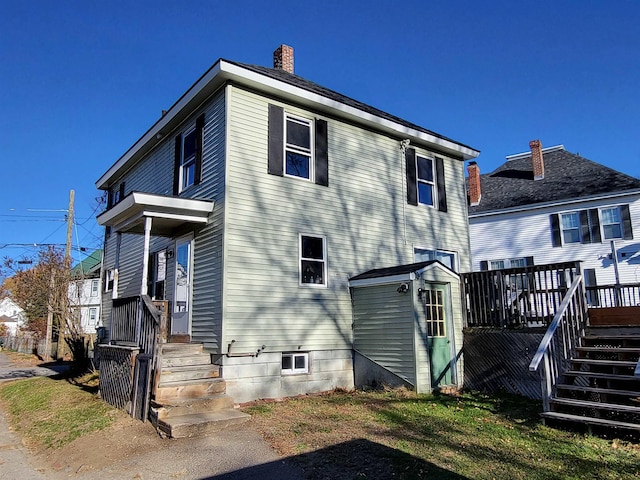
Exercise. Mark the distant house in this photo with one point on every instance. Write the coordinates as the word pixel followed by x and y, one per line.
pixel 251 203
pixel 11 316
pixel 85 291
pixel 549 205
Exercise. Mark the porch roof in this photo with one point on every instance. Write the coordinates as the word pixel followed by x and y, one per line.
pixel 398 273
pixel 168 213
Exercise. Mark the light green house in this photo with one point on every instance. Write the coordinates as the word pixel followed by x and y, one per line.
pixel 251 203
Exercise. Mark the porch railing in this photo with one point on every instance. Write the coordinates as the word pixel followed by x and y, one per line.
pixel 562 337
pixel 622 295
pixel 136 322
pixel 515 297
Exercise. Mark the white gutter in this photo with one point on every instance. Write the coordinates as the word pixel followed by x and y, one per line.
pixel 223 70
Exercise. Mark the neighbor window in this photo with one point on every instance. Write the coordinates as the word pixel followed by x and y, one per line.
pixel 298 141
pixel 611 222
pixel 293 363
pixel 570 224
pixel 313 261
pixel 425 179
pixel 93 316
pixel 508 263
pixel 444 257
pixel 94 288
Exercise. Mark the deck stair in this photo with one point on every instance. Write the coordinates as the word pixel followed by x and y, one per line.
pixel 190 397
pixel 599 389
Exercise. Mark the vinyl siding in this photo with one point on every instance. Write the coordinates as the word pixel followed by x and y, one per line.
pixel 529 233
pixel 383 326
pixel 363 214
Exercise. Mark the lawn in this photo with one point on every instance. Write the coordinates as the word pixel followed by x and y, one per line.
pixel 396 434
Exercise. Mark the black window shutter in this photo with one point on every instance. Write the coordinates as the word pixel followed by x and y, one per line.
pixel 627 230
pixel 176 165
pixel 484 265
pixel 556 241
pixel 199 142
pixel 321 153
pixel 109 198
pixel 121 191
pixel 442 193
pixel 585 232
pixel 412 187
pixel 528 261
pixel 276 140
pixel 596 237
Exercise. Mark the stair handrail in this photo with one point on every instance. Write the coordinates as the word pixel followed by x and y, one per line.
pixel 571 319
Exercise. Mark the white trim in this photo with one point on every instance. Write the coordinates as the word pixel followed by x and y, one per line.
pixel 519 156
pixel 293 370
pixel 366 282
pixel 325 268
pixel 310 123
pixel 432 183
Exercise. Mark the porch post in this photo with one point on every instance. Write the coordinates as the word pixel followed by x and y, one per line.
pixel 145 257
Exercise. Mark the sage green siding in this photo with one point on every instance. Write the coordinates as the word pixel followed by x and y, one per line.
pixel 363 214
pixel 383 326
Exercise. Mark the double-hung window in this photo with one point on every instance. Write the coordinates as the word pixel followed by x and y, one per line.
pixel 109 279
pixel 611 222
pixel 313 260
pixel 570 225
pixel 298 152
pixel 93 316
pixel 94 288
pixel 188 159
pixel 425 179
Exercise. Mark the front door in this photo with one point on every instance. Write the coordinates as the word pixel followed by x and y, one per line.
pixel 436 299
pixel 181 318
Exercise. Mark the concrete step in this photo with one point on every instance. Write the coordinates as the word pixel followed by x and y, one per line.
pixel 578 419
pixel 176 408
pixel 168 392
pixel 197 424
pixel 174 360
pixel 188 372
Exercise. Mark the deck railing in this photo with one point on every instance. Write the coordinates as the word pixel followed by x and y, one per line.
pixel 135 321
pixel 516 297
pixel 622 295
pixel 561 339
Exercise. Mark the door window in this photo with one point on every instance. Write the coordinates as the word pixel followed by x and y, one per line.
pixel 183 274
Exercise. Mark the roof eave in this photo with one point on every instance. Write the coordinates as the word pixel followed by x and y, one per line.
pixel 223 71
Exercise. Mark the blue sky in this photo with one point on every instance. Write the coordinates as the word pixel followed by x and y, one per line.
pixel 81 81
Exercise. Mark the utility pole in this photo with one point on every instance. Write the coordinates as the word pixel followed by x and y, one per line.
pixel 67 251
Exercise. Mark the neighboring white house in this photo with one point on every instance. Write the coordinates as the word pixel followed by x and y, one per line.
pixel 85 291
pixel 254 199
pixel 11 315
pixel 549 205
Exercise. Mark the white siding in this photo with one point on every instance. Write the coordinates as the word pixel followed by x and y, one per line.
pixel 528 233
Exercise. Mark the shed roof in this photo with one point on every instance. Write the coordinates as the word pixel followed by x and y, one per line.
pixel 399 270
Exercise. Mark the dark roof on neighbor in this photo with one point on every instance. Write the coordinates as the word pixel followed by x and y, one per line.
pixel 89 266
pixel 567 176
pixel 312 87
pixel 397 270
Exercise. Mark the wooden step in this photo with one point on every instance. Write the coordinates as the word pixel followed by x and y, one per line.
pixel 188 372
pixel 180 349
pixel 566 417
pixel 200 423
pixel 168 392
pixel 597 405
pixel 169 361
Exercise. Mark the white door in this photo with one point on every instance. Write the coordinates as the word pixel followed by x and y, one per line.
pixel 181 317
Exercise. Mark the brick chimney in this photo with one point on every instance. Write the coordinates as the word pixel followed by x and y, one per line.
pixel 283 58
pixel 537 159
pixel 474 184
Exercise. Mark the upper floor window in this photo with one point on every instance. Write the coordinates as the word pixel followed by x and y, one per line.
pixel 570 223
pixel 298 152
pixel 188 157
pixel 313 260
pixel 109 279
pixel 611 222
pixel 94 288
pixel 298 146
pixel 425 179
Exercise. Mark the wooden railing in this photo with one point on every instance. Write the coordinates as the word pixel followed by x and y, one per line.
pixel 561 339
pixel 515 297
pixel 135 321
pixel 622 295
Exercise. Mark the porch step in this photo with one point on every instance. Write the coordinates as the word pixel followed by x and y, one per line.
pixel 176 408
pixel 197 424
pixel 172 391
pixel 596 405
pixel 608 391
pixel 178 360
pixel 601 376
pixel 179 349
pixel 577 419
pixel 188 372
pixel 604 363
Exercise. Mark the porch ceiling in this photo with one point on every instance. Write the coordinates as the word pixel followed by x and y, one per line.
pixel 168 213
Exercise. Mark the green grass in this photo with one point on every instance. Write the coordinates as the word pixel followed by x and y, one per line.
pixel 51 413
pixel 472 436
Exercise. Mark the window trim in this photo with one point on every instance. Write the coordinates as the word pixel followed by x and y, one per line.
pixel 293 370
pixel 295 149
pixel 620 222
pixel 324 261
pixel 433 183
pixel 186 163
pixel 95 287
pixel 577 228
pixel 507 263
pixel 93 310
pixel 109 279
pixel 456 262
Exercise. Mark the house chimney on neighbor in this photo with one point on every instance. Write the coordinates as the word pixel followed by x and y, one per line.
pixel 537 159
pixel 283 58
pixel 474 184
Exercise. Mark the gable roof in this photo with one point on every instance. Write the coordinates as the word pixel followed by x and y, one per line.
pixel 280 84
pixel 398 272
pixel 567 177
pixel 88 267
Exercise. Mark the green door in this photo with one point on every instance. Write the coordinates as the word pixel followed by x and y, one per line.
pixel 437 328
